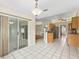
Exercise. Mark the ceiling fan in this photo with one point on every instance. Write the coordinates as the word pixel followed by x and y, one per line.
pixel 36 11
pixel 61 19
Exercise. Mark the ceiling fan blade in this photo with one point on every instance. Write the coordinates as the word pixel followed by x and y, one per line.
pixel 45 10
pixel 62 19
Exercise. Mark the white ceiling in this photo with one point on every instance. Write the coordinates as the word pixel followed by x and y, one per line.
pixel 54 6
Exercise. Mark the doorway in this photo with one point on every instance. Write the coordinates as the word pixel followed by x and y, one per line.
pixel 39 33
pixel 63 30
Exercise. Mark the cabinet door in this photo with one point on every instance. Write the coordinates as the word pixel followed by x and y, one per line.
pixel 78 22
pixel 50 37
pixel 75 22
pixel 78 40
pixel 51 26
pixel 73 40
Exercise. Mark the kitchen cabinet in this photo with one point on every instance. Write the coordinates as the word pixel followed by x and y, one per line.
pixel 69 26
pixel 73 36
pixel 75 22
pixel 50 37
pixel 73 40
pixel 78 23
pixel 51 26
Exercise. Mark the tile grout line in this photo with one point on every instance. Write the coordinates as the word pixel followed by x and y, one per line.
pixel 31 53
pixel 77 53
pixel 62 51
pixel 69 51
pixel 13 56
pixel 48 50
pixel 53 53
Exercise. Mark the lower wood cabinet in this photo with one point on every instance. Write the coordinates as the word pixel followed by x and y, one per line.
pixel 73 40
pixel 50 37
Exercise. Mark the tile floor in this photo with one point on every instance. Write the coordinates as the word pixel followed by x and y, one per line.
pixel 56 50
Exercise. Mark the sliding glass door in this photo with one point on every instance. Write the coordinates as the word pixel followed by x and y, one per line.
pixel 18 34
pixel 23 30
pixel 13 34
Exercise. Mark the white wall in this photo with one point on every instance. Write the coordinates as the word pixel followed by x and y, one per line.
pixel 31 24
pixel 31 33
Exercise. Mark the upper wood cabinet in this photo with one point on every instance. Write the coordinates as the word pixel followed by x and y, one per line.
pixel 69 26
pixel 51 26
pixel 78 22
pixel 75 22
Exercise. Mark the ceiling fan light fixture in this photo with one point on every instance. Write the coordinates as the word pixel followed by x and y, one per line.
pixel 37 11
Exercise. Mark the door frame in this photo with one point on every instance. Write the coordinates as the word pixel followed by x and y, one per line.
pixel 18 34
pixel 13 16
pixel 1 35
